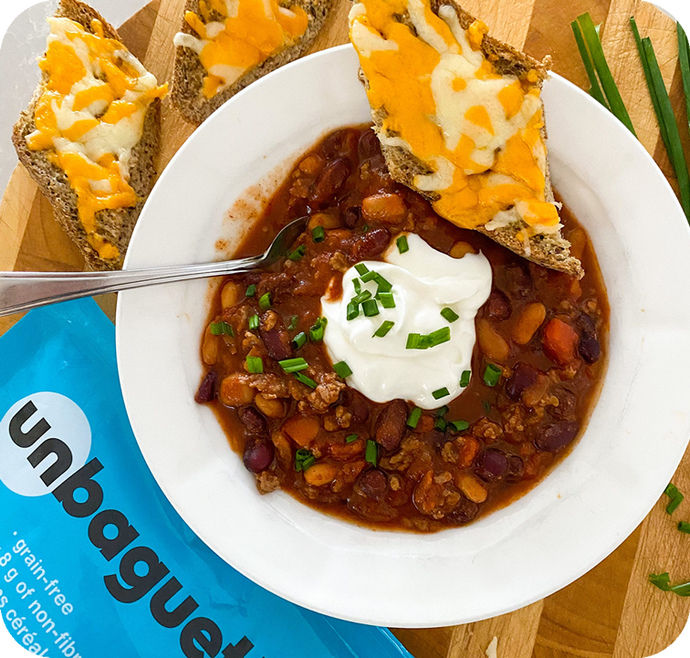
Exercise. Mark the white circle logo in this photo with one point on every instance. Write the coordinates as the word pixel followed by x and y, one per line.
pixel 44 439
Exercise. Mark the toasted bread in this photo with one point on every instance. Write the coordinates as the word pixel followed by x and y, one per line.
pixel 188 73
pixel 550 250
pixel 116 226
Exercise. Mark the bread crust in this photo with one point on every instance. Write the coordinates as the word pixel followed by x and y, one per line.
pixel 188 71
pixel 552 251
pixel 115 225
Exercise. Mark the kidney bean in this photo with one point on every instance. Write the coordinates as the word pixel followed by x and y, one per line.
pixel 567 404
pixel 516 468
pixel 330 180
pixel 252 420
pixel 342 143
pixel 277 343
pixel 556 436
pixel 498 306
pixel 491 465
pixel 207 389
pixel 368 145
pixel 588 347
pixel 390 425
pixel 371 244
pixel 373 483
pixel 464 512
pixel 522 378
pixel 258 454
pixel 351 216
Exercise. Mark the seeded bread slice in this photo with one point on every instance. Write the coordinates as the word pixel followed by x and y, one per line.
pixel 552 250
pixel 188 73
pixel 116 226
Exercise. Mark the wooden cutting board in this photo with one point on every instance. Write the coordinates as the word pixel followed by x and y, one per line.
pixel 610 612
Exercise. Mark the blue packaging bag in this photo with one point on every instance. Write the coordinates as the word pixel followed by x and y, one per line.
pixel 94 561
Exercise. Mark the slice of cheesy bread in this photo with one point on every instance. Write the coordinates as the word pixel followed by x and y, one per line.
pixel 460 119
pixel 226 45
pixel 91 132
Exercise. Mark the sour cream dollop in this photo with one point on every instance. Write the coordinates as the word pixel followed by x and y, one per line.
pixel 425 281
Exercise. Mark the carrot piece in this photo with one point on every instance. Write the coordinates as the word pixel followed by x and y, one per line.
pixel 560 342
pixel 302 429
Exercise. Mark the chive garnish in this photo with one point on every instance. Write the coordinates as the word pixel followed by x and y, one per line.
pixel 317 329
pixel 265 301
pixel 440 393
pixel 361 269
pixel 370 308
pixel 251 290
pixel 595 89
pixel 358 286
pixel 299 340
pixel 293 323
pixel 222 328
pixel 352 311
pixel 369 275
pixel 663 582
pixel 342 369
pixel 307 381
pixel 449 314
pixel 303 459
pixel 253 321
pixel 608 84
pixel 255 364
pixel 459 425
pixel 492 375
pixel 402 244
pixel 442 411
pixel 385 327
pixel 465 378
pixel 414 417
pixel 293 365
pixel 413 342
pixel 318 234
pixel 297 253
pixel 372 452
pixel 386 298
pixel 684 526
pixel 361 297
pixel 351 438
pixel 676 498
pixel 439 336
pixel 383 284
pixel 440 424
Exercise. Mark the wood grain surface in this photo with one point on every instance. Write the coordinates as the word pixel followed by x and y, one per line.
pixel 610 612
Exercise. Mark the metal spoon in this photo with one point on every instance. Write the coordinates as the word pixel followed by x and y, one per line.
pixel 21 291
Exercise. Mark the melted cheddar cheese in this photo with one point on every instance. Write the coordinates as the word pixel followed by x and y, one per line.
pixel 479 132
pixel 89 118
pixel 237 35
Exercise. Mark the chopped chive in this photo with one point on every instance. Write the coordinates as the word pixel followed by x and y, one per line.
pixel 413 341
pixel 342 369
pixel 684 526
pixel 365 228
pixel 492 374
pixel 386 298
pixel 383 284
pixel 293 323
pixel 299 340
pixel 663 582
pixel 676 498
pixel 316 331
pixel 608 84
pixel 251 290
pixel 361 269
pixel 385 327
pixel 255 364
pixel 303 459
pixel 372 452
pixel 594 90
pixel 293 365
pixel 265 301
pixel 361 297
pixel 352 311
pixel 449 314
pixel 297 253
pixel 351 438
pixel 370 308
pixel 358 286
pixel 253 321
pixel 402 244
pixel 440 393
pixel 442 411
pixel 465 378
pixel 459 425
pixel 439 336
pixel 222 328
pixel 414 417
pixel 318 234
pixel 369 275
pixel 307 381
pixel 440 424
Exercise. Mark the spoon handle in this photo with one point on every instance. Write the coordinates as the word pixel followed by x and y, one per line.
pixel 21 291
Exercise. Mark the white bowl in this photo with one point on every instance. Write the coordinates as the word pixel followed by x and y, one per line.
pixel 578 515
